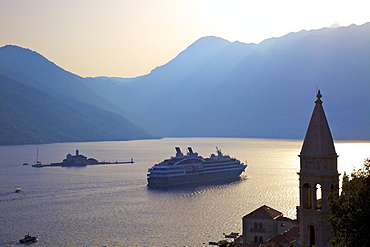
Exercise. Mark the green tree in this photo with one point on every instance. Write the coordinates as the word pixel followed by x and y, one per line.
pixel 351 210
pixel 225 243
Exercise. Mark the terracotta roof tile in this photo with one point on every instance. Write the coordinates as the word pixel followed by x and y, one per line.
pixel 293 232
pixel 281 239
pixel 264 212
pixel 271 244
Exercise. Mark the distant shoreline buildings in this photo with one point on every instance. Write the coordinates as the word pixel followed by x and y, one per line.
pixel 318 176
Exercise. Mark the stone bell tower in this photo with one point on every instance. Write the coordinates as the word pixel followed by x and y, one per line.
pixel 318 177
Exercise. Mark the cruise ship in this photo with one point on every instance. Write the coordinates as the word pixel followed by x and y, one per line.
pixel 192 168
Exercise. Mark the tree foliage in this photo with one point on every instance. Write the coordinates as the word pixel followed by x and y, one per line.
pixel 351 210
pixel 225 243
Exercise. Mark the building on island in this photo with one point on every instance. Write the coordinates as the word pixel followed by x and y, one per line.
pixel 76 160
pixel 318 176
pixel 81 160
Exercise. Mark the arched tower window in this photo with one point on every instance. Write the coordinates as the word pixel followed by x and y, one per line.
pixel 255 239
pixel 307 196
pixel 312 235
pixel 260 225
pixel 255 225
pixel 261 239
pixel 318 196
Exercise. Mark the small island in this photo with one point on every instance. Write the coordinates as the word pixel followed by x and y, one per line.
pixel 81 160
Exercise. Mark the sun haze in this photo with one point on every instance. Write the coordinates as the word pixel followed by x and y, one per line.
pixel 130 38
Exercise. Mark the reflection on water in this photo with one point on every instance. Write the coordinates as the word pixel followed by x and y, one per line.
pixel 111 204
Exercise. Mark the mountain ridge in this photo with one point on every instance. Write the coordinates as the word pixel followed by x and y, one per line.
pixel 278 73
pixel 214 88
pixel 47 76
pixel 34 112
pixel 30 116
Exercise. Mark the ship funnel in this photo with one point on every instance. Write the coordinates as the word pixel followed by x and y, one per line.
pixel 178 152
pixel 190 150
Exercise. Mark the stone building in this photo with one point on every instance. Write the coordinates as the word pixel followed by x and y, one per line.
pixel 318 176
pixel 263 223
pixel 76 160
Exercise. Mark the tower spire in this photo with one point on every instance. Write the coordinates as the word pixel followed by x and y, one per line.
pixel 318 177
pixel 318 96
pixel 318 140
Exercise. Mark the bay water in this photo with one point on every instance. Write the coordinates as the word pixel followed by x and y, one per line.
pixel 110 205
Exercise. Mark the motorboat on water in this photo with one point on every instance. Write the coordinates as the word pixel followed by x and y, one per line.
pixel 192 168
pixel 28 239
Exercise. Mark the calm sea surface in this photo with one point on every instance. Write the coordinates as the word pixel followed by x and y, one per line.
pixel 110 205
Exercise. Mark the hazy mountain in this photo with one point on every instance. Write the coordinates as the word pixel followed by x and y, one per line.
pixel 42 103
pixel 213 88
pixel 30 116
pixel 35 70
pixel 219 88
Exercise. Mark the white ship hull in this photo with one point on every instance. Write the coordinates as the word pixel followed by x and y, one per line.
pixel 191 168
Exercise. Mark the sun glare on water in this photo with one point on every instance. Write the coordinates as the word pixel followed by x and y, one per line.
pixel 351 155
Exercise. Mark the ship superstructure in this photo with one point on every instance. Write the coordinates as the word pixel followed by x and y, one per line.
pixel 192 168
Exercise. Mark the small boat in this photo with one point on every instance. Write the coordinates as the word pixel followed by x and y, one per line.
pixel 25 164
pixel 28 239
pixel 213 243
pixel 18 190
pixel 37 163
pixel 232 235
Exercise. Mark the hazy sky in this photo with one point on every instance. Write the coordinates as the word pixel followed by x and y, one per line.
pixel 128 38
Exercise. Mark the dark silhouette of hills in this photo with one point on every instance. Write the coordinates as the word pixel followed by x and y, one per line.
pixel 30 116
pixel 42 103
pixel 231 89
pixel 33 69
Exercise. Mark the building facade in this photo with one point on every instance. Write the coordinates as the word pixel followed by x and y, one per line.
pixel 262 224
